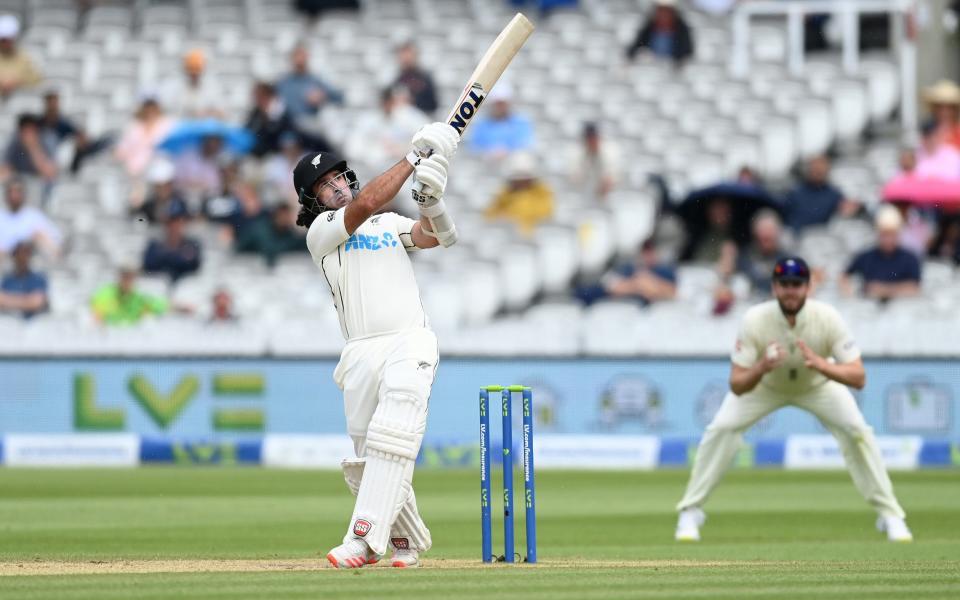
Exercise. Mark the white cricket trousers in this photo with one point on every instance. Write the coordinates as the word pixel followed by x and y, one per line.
pixel 835 407
pixel 386 382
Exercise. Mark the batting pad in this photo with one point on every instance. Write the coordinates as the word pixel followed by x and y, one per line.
pixel 408 524
pixel 393 441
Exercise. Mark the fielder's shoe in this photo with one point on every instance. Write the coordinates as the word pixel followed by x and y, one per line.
pixel 352 555
pixel 895 528
pixel 404 556
pixel 688 525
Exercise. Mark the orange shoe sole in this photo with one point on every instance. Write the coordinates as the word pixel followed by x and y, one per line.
pixel 352 563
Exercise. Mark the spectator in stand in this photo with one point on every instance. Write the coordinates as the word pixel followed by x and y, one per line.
pixel 27 155
pixel 225 204
pixel 278 168
pixel 544 7
pixel 919 221
pixel 646 279
pixel 149 127
pixel 379 137
pixel 907 161
pixel 176 254
pixel 273 237
pixel 766 247
pixel 198 170
pixel 314 9
pixel 163 198
pixel 222 312
pixel 946 243
pixel 919 225
pixel 415 79
pixel 595 164
pixel 17 69
pixel 55 129
pixel 714 242
pixel 664 34
pixel 196 94
pixel 526 199
pixel 747 176
pixel 936 158
pixel 22 223
pixel 24 290
pixel 121 304
pixel 500 131
pixel 888 270
pixel 814 200
pixel 248 213
pixel 303 93
pixel 943 101
pixel 270 121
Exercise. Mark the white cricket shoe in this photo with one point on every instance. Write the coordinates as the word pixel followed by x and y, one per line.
pixel 895 528
pixel 688 525
pixel 404 556
pixel 352 554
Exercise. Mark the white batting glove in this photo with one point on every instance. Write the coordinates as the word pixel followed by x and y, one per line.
pixel 431 175
pixel 430 181
pixel 436 138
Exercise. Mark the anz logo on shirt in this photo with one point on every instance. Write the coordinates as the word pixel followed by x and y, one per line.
pixel 358 241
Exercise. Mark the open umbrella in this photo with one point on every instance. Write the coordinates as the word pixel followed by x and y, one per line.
pixel 923 192
pixel 745 200
pixel 188 135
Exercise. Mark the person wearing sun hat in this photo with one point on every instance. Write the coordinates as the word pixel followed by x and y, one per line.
pixel 525 199
pixel 888 270
pixel 196 93
pixel 943 101
pixel 17 69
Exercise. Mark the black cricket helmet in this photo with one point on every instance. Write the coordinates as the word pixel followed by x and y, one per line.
pixel 312 167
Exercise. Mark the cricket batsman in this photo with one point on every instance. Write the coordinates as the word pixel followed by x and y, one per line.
pixel 388 365
pixel 783 358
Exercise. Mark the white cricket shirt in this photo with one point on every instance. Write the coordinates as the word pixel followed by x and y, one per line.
pixel 818 325
pixel 369 273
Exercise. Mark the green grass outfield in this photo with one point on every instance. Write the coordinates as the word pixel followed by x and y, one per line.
pixel 256 533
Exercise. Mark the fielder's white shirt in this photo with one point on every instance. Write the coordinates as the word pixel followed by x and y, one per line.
pixel 369 273
pixel 819 325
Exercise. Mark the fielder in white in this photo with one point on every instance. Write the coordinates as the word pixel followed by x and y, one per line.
pixel 387 367
pixel 783 358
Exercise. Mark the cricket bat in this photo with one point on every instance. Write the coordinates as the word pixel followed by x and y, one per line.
pixel 485 76
pixel 488 71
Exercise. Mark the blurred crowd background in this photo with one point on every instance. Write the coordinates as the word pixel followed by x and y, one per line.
pixel 621 192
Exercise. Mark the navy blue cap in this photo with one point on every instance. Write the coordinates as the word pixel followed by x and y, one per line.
pixel 791 268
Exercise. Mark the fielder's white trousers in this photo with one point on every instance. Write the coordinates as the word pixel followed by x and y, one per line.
pixel 832 403
pixel 372 371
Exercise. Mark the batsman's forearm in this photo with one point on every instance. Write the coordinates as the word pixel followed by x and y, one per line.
pixel 384 187
pixel 849 374
pixel 375 195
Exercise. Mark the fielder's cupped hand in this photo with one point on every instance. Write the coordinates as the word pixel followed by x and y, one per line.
pixel 811 359
pixel 436 138
pixel 431 172
pixel 773 357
